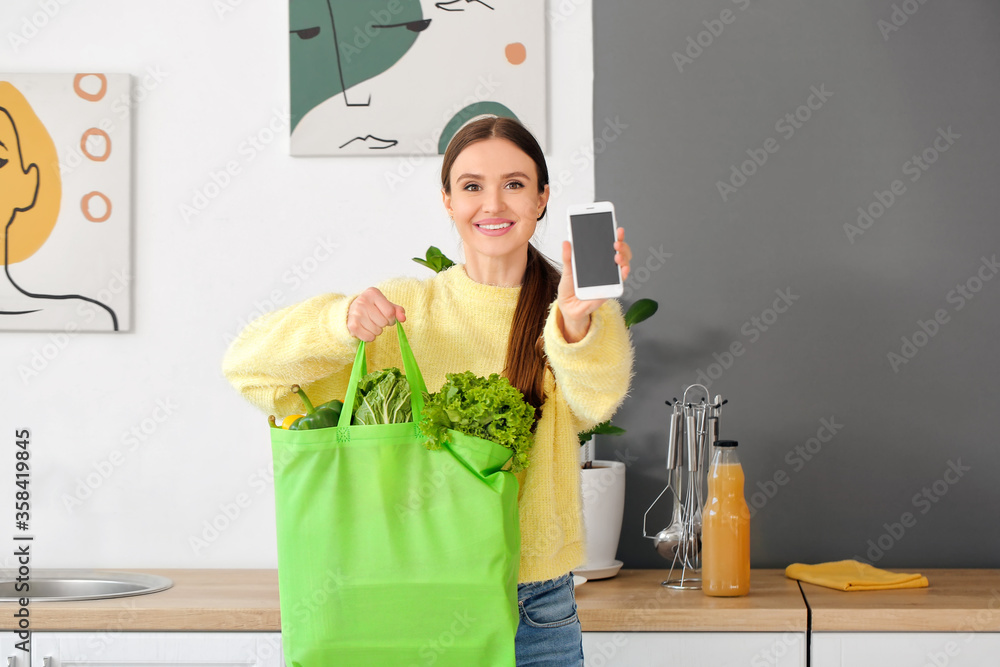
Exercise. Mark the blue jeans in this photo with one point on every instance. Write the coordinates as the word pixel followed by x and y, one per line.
pixel 548 634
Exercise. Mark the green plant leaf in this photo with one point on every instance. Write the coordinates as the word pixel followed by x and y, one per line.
pixel 641 310
pixel 435 260
pixel 604 428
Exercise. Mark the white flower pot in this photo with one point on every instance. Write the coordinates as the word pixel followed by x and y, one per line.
pixel 602 489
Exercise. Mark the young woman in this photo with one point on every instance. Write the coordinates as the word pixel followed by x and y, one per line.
pixel 506 310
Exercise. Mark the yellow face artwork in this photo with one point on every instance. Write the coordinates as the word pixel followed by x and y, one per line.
pixel 30 183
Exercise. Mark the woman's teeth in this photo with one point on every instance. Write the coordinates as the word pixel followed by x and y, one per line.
pixel 503 225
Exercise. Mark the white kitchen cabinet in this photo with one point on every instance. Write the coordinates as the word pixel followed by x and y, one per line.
pixel 694 649
pixel 905 649
pixel 9 654
pixel 180 649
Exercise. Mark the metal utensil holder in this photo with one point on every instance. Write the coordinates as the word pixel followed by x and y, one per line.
pixel 694 427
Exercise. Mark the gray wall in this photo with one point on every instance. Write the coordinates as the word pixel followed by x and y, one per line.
pixel 879 488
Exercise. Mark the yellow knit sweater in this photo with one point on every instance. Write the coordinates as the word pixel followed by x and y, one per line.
pixel 455 324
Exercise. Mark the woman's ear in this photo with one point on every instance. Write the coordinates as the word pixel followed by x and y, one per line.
pixel 543 200
pixel 446 200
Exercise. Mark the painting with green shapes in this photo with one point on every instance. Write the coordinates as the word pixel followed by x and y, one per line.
pixel 399 77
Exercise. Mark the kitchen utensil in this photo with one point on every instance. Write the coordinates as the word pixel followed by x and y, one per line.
pixel 676 437
pixel 693 429
pixel 668 539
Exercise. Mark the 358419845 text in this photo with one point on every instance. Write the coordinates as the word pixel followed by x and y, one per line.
pixel 22 549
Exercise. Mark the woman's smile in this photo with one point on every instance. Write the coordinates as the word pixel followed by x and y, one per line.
pixel 494 226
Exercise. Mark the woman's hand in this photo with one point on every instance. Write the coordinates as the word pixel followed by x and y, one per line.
pixel 573 317
pixel 370 312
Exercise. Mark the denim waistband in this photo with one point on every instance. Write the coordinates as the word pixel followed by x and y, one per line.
pixel 536 587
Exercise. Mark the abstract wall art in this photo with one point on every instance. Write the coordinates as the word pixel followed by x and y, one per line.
pixel 399 77
pixel 65 166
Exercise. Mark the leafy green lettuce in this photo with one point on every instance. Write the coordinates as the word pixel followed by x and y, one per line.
pixel 489 408
pixel 383 398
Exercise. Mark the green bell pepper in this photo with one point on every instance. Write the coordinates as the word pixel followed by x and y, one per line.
pixel 324 416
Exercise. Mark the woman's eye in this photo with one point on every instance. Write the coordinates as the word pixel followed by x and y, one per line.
pixel 2 163
pixel 472 187
pixel 515 185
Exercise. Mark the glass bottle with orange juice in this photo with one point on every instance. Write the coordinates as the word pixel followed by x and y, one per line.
pixel 725 536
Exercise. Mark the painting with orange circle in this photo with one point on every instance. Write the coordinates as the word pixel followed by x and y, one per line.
pixel 398 78
pixel 65 173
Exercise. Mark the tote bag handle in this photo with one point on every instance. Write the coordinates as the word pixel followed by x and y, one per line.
pixel 410 370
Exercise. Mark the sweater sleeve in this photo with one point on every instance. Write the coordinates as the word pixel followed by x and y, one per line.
pixel 594 373
pixel 301 344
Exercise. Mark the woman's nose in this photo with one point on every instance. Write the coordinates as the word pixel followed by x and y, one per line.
pixel 493 201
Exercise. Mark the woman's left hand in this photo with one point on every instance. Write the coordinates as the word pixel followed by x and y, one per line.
pixel 573 317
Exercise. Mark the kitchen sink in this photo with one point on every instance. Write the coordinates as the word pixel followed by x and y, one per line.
pixel 66 585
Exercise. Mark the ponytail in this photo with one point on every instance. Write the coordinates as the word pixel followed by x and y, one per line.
pixel 525 366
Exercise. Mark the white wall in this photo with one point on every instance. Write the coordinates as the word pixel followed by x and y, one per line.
pixel 150 408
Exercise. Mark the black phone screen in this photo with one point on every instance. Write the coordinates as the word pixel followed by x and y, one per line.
pixel 593 249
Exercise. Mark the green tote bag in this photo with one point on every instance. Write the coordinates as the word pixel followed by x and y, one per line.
pixel 391 555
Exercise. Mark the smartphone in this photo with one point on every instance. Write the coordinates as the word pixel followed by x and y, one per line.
pixel 593 232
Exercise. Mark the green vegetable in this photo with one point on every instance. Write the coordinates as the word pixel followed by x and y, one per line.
pixel 435 261
pixel 324 416
pixel 383 398
pixel 488 408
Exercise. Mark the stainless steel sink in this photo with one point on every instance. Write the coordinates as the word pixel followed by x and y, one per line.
pixel 65 585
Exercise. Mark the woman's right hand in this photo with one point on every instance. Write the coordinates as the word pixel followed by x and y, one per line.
pixel 370 312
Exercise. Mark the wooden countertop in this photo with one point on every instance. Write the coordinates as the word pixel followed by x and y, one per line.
pixel 209 600
pixel 247 600
pixel 635 601
pixel 955 601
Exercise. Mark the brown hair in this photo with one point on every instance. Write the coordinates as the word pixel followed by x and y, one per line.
pixel 525 364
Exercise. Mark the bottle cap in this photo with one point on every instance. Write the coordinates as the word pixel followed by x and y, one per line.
pixel 727 443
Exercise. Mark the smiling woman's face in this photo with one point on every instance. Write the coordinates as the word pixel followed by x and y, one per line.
pixel 494 200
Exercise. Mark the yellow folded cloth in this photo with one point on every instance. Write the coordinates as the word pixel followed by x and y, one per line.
pixel 851 575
